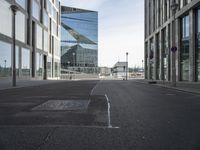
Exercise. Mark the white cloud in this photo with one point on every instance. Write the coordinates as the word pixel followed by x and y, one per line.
pixel 85 4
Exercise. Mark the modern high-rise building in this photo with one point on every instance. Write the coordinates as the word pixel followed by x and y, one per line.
pixel 159 34
pixel 79 39
pixel 37 39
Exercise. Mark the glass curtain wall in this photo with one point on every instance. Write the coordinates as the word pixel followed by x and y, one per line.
pixel 184 54
pixel 25 70
pixel 79 44
pixel 198 47
pixel 6 18
pixel 5 60
pixel 39 65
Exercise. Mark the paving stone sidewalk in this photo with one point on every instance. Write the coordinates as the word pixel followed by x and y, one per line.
pixel 193 87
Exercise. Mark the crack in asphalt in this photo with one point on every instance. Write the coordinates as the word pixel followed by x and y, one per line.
pixel 49 134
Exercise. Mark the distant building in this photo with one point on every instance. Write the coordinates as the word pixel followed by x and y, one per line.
pixel 158 40
pixel 105 71
pixel 37 39
pixel 79 39
pixel 119 70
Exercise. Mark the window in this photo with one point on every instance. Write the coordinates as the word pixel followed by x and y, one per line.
pixel 39 37
pixel 185 27
pixel 22 3
pixel 54 28
pixel 49 9
pixel 6 18
pixel 25 68
pixel 39 65
pixel 184 55
pixel 46 41
pixel 36 10
pixel 54 14
pixel 20 27
pixel 49 67
pixel 57 4
pixel 5 59
pixel 45 18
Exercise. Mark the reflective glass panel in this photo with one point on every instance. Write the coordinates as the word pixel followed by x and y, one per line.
pixel 6 18
pixel 5 59
pixel 184 55
pixel 49 7
pixel 79 34
pixel 25 68
pixel 39 65
pixel 46 41
pixel 36 10
pixel 49 67
pixel 20 27
pixel 22 3
pixel 39 37
pixel 45 19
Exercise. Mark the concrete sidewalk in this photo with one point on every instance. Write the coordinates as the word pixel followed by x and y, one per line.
pixel 192 87
pixel 7 83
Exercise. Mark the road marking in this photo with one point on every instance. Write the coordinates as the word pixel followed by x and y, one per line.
pixel 93 89
pixel 109 120
pixel 57 126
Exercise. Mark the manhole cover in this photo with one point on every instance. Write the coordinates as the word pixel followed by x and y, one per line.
pixel 63 105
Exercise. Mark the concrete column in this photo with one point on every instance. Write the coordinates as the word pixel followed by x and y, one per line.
pixel 161 57
pixel 167 51
pixel 147 18
pixel 148 60
pixel 192 46
pixel 170 45
pixel 155 57
pixel 178 43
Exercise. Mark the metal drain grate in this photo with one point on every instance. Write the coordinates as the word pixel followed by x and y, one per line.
pixel 63 105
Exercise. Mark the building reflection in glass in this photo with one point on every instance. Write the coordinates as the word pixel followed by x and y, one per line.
pixel 79 42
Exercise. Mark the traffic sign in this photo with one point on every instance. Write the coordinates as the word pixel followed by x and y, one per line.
pixel 174 49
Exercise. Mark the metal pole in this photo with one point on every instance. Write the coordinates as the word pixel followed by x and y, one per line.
pixel 126 65
pixel 73 59
pixel 14 9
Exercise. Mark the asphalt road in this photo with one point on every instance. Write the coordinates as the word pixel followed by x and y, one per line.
pixel 140 117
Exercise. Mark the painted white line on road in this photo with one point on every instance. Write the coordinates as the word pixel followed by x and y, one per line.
pixel 93 89
pixel 57 126
pixel 109 120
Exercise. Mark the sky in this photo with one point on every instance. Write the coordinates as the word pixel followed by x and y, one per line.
pixel 121 29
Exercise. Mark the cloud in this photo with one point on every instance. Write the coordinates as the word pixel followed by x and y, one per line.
pixel 85 4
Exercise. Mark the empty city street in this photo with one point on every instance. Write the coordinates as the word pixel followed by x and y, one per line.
pixel 99 115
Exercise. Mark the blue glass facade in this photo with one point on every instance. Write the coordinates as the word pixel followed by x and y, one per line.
pixel 79 39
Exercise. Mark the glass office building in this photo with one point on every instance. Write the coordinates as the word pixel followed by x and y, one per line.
pixel 37 39
pixel 79 39
pixel 158 40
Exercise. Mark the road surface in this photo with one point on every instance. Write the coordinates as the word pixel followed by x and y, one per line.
pixel 99 115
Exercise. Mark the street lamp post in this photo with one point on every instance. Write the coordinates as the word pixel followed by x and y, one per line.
pixel 5 63
pixel 14 9
pixel 126 65
pixel 174 7
pixel 142 64
pixel 73 59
